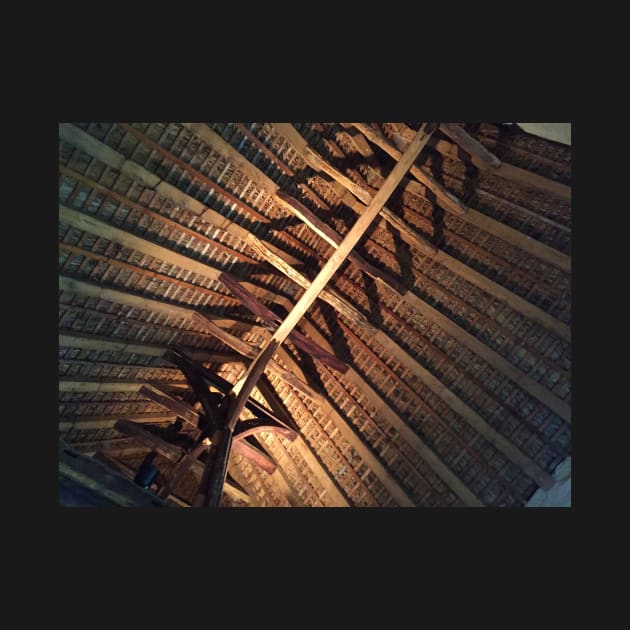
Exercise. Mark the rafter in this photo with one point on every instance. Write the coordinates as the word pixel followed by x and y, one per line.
pixel 481 156
pixel 133 367
pixel 98 385
pixel 195 174
pixel 263 149
pixel 183 410
pixel 146 273
pixel 258 457
pixel 67 423
pixel 249 301
pixel 227 151
pixel 85 341
pixel 281 480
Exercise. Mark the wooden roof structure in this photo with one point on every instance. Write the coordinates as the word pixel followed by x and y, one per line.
pixel 398 293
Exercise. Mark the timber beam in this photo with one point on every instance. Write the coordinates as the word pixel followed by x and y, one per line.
pixel 86 341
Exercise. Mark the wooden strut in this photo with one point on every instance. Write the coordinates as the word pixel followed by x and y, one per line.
pixel 214 471
pixel 249 301
pixel 213 478
pixel 195 378
pixel 89 341
pixel 184 411
pixel 473 147
pixel 326 273
pixel 332 238
pixel 212 482
pixel 270 417
pixel 447 200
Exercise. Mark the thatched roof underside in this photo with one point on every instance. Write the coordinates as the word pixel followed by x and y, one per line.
pixel 458 386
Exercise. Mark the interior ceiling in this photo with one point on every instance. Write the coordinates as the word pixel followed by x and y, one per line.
pixel 441 374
